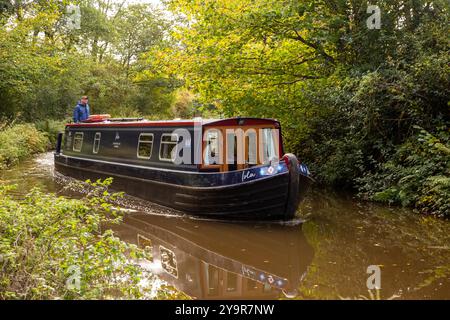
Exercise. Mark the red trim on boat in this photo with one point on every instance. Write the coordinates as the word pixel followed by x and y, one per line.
pixel 176 123
pixel 244 122
pixel 132 124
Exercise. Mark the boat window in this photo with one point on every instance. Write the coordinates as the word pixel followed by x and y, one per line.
pixel 212 147
pixel 269 151
pixel 145 146
pixel 250 147
pixel 167 148
pixel 77 141
pixel 97 137
pixel 232 151
pixel 238 144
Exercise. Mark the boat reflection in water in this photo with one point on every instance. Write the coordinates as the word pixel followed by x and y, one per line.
pixel 218 260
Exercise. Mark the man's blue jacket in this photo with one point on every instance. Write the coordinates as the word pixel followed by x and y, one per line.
pixel 81 112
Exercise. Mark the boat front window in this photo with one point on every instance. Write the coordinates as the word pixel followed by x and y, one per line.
pixel 167 148
pixel 212 147
pixel 78 141
pixel 145 146
pixel 97 137
pixel 250 147
pixel 269 145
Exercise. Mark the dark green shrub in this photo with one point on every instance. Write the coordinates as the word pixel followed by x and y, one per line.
pixel 19 141
pixel 57 248
pixel 417 175
pixel 51 128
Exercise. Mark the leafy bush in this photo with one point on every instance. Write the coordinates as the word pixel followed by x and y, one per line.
pixel 48 243
pixel 51 128
pixel 18 142
pixel 417 175
pixel 367 115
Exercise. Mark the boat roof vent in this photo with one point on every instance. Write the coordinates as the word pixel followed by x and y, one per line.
pixel 125 119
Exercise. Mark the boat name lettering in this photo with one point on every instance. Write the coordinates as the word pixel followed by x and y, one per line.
pixel 248 175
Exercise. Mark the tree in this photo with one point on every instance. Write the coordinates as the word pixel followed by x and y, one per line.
pixel 46 64
pixel 139 29
pixel 347 95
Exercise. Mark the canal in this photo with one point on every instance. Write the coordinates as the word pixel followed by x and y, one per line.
pixel 334 249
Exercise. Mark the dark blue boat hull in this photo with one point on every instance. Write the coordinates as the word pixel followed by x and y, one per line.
pixel 245 194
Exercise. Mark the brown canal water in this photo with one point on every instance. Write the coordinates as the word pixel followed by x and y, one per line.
pixel 324 254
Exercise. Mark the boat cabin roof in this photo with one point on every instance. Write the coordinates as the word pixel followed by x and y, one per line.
pixel 140 122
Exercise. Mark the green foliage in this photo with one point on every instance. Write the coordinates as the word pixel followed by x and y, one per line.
pixel 365 117
pixel 347 96
pixel 257 57
pixel 417 175
pixel 46 241
pixel 51 128
pixel 168 292
pixel 183 107
pixel 45 66
pixel 19 141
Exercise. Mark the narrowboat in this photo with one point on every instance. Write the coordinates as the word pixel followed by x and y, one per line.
pixel 232 168
pixel 218 260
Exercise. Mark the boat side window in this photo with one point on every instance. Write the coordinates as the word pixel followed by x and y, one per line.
pixel 168 147
pixel 78 141
pixel 145 146
pixel 97 138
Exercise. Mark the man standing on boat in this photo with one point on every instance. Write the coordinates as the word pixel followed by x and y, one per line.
pixel 81 111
